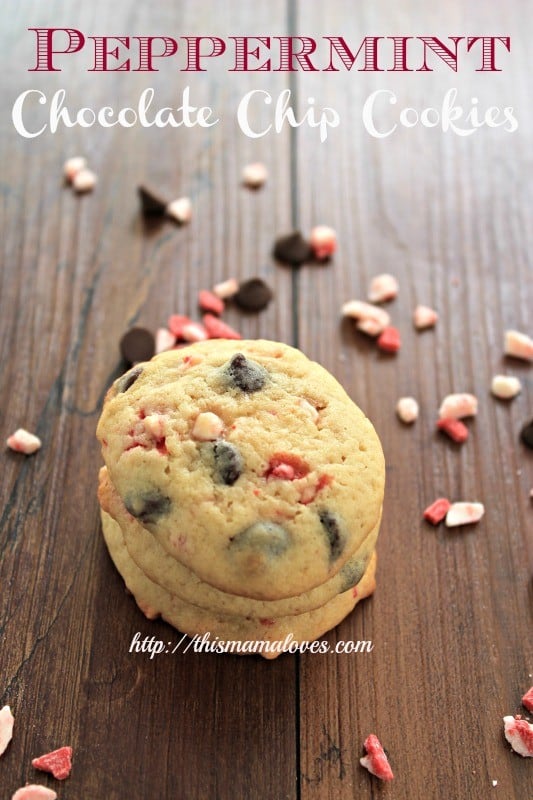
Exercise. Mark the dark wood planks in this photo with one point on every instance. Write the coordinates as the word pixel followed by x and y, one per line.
pixel 451 620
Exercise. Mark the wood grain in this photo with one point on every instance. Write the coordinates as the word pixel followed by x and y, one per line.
pixel 451 620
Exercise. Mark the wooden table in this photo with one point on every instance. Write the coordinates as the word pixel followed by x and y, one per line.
pixel 450 216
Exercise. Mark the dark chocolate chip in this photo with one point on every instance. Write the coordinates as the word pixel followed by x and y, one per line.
pixel 152 204
pixel 263 535
pixel 333 532
pixel 245 374
pixel 293 249
pixel 137 344
pixel 228 462
pixel 526 434
pixel 351 573
pixel 149 506
pixel 127 380
pixel 253 295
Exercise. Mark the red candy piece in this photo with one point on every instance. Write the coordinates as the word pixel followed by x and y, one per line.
pixel 454 428
pixel 216 329
pixel 527 700
pixel 286 466
pixel 210 302
pixel 436 512
pixel 389 340
pixel 58 762
pixel 376 761
pixel 176 324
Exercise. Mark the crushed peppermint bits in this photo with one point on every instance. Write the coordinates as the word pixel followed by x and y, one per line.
pixel 6 728
pixel 436 512
pixel 389 340
pixel 464 514
pixel 375 760
pixel 323 241
pixel 382 288
pixel 454 428
pixel 58 763
pixel 424 317
pixel 22 441
pixel 457 406
pixel 527 700
pixel 34 791
pixel 518 345
pixel 519 734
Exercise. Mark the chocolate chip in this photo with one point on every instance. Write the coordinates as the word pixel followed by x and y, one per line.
pixel 152 204
pixel 253 295
pixel 127 380
pixel 137 344
pixel 333 532
pixel 149 506
pixel 351 573
pixel 293 249
pixel 245 374
pixel 526 434
pixel 263 535
pixel 228 462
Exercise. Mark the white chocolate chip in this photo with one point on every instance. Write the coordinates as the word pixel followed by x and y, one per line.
pixel 407 409
pixel 518 345
pixel 207 427
pixel 84 181
pixel 24 442
pixel 424 317
pixel 73 165
pixel 464 514
pixel 383 287
pixel 457 406
pixel 180 210
pixel 154 424
pixel 309 409
pixel 505 386
pixel 254 175
pixel 164 340
pixel 226 289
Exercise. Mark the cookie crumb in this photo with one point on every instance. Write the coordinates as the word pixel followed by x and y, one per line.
pixel 505 386
pixel 407 409
pixel 464 514
pixel 6 728
pixel 424 317
pixel 518 345
pixel 22 441
pixel 382 288
pixel 58 763
pixel 375 761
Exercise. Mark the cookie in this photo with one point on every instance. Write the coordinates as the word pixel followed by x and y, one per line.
pixel 176 579
pixel 248 463
pixel 155 601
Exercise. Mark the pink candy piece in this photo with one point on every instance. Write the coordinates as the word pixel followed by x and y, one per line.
pixel 436 512
pixel 226 289
pixel 424 317
pixel 527 700
pixel 519 734
pixel 382 288
pixel 194 332
pixel 372 320
pixel 453 428
pixel 216 329
pixel 376 761
pixel 34 791
pixel 518 345
pixel 176 323
pixel 24 442
pixel 464 514
pixel 210 302
pixel 6 728
pixel 58 763
pixel 164 340
pixel 389 340
pixel 323 241
pixel 457 406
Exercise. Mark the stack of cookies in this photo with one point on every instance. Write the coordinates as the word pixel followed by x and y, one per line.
pixel 242 492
